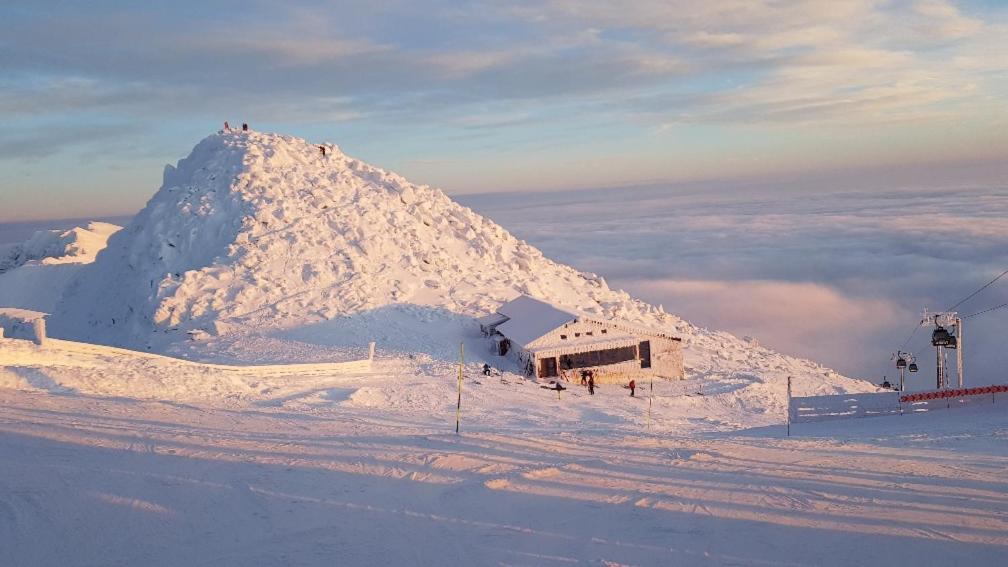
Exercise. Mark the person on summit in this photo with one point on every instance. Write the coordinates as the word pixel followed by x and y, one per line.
pixel 632 386
pixel 591 383
pixel 244 126
pixel 227 127
pixel 322 149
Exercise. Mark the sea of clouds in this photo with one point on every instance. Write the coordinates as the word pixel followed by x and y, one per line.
pixel 837 276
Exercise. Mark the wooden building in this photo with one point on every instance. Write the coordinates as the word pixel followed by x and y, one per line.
pixel 553 342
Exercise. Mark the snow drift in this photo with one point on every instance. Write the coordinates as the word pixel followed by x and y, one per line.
pixel 34 273
pixel 257 231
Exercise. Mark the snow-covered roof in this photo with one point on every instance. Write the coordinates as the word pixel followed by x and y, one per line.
pixel 491 320
pixel 529 319
pixel 583 344
pixel 26 315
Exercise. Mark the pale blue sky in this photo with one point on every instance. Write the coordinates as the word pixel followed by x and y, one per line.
pixel 498 96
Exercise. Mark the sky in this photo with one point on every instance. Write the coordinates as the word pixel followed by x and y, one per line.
pixel 501 96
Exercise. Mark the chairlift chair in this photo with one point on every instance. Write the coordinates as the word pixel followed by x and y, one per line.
pixel 912 367
pixel 941 338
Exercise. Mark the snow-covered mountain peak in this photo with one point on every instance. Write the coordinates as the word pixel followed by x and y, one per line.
pixel 263 231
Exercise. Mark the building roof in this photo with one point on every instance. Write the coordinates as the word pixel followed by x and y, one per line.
pixel 529 319
pixel 526 319
pixel 491 320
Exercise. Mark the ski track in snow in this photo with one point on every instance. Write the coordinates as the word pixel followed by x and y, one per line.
pixel 127 482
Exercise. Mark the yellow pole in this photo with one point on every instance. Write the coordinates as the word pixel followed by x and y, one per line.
pixel 458 406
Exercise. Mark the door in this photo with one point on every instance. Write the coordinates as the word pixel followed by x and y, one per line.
pixel 547 368
pixel 644 352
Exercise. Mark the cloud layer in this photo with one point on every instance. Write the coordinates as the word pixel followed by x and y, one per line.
pixel 838 276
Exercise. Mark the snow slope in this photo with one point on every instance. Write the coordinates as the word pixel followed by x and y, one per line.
pixel 34 273
pixel 257 234
pixel 87 481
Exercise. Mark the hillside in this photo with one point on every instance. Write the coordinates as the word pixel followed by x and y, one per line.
pixel 34 273
pixel 262 242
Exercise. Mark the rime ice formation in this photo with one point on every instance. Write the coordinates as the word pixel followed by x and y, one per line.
pixel 262 231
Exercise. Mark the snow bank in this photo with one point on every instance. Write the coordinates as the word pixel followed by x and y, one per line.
pixel 34 273
pixel 78 245
pixel 255 231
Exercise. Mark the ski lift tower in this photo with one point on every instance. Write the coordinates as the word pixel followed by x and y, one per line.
pixel 942 339
pixel 904 361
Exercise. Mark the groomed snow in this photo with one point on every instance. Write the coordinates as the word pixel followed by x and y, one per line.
pixel 87 481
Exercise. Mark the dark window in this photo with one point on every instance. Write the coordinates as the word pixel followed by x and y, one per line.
pixel 547 368
pixel 645 354
pixel 603 331
pixel 589 333
pixel 504 347
pixel 563 337
pixel 577 335
pixel 602 357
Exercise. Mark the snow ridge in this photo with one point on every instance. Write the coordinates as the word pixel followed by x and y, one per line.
pixel 48 247
pixel 262 231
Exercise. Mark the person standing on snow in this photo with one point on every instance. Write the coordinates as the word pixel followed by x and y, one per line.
pixel 591 383
pixel 227 128
pixel 322 149
pixel 633 385
pixel 486 369
pixel 244 126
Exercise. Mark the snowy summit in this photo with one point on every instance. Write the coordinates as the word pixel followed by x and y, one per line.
pixel 254 234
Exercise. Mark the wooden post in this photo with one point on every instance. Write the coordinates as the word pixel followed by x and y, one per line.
pixel 458 406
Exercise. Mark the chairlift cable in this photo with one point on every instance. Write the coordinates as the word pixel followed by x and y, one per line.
pixel 986 311
pixel 983 287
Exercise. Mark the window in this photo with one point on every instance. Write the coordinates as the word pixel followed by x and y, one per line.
pixel 563 337
pixel 601 357
pixel 603 331
pixel 576 335
pixel 589 334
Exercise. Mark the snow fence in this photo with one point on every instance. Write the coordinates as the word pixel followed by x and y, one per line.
pixel 825 408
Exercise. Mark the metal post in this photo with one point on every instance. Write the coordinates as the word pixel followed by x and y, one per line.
pixel 938 368
pixel 649 401
pixel 789 406
pixel 901 379
pixel 458 407
pixel 959 351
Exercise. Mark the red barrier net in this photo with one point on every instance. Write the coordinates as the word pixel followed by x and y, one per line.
pixel 942 394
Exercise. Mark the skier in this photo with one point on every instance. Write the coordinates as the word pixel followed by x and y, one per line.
pixel 244 126
pixel 227 128
pixel 584 377
pixel 486 369
pixel 591 383
pixel 322 149
pixel 633 385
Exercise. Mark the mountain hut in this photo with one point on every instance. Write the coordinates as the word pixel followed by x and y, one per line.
pixel 554 342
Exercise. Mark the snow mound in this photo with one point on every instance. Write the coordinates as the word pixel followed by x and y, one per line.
pixel 78 245
pixel 34 273
pixel 258 231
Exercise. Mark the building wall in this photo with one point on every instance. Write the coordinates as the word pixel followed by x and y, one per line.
pixel 571 330
pixel 666 358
